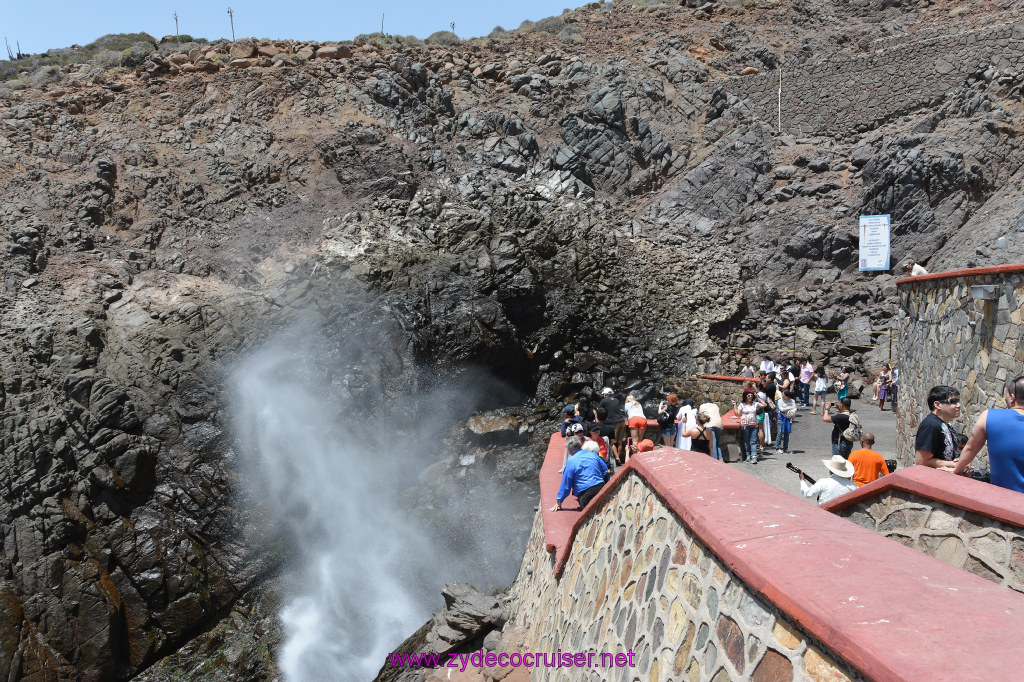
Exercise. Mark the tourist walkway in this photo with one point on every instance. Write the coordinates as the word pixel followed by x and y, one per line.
pixel 811 442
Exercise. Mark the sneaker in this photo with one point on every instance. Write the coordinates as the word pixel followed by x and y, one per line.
pixel 754 462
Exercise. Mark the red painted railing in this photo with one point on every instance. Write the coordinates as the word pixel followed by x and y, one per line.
pixel 890 611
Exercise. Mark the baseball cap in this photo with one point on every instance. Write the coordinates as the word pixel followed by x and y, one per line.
pixel 569 409
pixel 606 391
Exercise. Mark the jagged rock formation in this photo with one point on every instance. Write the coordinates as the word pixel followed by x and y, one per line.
pixel 567 214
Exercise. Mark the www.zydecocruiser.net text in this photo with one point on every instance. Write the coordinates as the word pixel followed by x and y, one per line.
pixel 490 659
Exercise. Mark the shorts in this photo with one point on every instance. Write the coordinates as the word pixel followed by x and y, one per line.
pixel 821 392
pixel 638 423
pixel 670 431
pixel 621 432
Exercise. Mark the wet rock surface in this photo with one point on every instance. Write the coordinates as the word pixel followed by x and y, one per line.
pixel 468 618
pixel 568 215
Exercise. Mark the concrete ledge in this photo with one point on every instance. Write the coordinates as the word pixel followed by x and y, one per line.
pixel 961 492
pixel 722 377
pixel 560 526
pixel 968 272
pixel 891 612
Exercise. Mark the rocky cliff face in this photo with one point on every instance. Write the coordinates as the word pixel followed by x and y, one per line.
pixel 613 205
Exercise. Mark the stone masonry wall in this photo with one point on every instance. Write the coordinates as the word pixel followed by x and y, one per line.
pixel 936 344
pixel 987 548
pixel 639 580
pixel 718 391
pixel 852 94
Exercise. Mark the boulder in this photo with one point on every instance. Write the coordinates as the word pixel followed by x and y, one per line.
pixel 490 70
pixel 855 331
pixel 334 52
pixel 242 49
pixel 493 429
pixel 469 610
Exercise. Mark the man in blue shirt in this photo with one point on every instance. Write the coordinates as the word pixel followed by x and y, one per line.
pixel 1004 431
pixel 584 475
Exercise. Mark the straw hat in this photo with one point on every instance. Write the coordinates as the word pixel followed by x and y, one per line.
pixel 839 466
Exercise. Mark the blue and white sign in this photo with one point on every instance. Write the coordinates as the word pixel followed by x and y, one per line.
pixel 874 242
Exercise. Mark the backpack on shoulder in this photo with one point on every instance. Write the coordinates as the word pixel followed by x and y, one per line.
pixel 667 418
pixel 854 431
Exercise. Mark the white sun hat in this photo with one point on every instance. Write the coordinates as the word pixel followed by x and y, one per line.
pixel 839 465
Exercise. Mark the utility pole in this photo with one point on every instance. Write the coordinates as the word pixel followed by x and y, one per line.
pixel 176 33
pixel 382 23
pixel 780 101
pixel 231 14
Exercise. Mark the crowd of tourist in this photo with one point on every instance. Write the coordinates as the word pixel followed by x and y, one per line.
pixel 769 400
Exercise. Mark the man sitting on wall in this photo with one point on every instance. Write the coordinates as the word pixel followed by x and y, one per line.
pixel 868 465
pixel 837 484
pixel 1004 432
pixel 584 475
pixel 935 443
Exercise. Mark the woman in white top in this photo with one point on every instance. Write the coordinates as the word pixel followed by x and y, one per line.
pixel 820 390
pixel 747 412
pixel 787 410
pixel 635 419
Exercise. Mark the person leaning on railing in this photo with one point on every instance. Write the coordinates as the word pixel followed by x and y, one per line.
pixel 584 475
pixel 637 420
pixel 1004 432
pixel 714 415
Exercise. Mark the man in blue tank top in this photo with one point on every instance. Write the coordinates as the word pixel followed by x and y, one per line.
pixel 1004 431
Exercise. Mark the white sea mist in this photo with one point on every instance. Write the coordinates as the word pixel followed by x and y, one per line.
pixel 335 464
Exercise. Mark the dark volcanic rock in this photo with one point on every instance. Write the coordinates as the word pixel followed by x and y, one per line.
pixel 614 207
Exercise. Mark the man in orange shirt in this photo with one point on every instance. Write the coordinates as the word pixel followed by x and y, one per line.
pixel 868 465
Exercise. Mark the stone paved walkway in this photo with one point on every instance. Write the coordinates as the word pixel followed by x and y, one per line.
pixel 811 442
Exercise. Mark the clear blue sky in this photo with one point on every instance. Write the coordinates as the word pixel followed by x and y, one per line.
pixel 60 23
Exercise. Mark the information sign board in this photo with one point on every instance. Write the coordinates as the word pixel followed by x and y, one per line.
pixel 874 242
